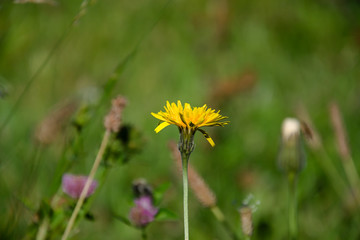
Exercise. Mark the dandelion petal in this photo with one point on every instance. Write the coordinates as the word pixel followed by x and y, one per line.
pixel 161 126
pixel 208 138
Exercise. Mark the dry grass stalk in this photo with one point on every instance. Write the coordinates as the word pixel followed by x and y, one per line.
pixel 50 127
pixel 232 86
pixel 312 136
pixel 201 190
pixel 314 141
pixel 246 220
pixel 344 150
pixel 113 120
pixel 112 123
pixel 340 133
pixel 221 17
pixel 247 179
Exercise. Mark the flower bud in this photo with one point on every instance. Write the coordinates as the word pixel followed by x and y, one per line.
pixel 291 158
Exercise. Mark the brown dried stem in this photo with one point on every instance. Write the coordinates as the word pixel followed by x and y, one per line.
pixel 315 142
pixel 112 123
pixel 87 185
pixel 50 127
pixel 344 150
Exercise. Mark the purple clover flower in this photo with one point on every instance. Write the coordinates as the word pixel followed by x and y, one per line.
pixel 73 185
pixel 143 212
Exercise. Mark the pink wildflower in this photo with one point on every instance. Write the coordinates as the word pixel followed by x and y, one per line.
pixel 73 185
pixel 143 212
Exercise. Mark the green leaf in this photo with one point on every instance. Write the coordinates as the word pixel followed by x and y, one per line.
pixel 45 209
pixel 165 215
pixel 59 219
pixel 115 76
pixel 159 192
pixel 123 220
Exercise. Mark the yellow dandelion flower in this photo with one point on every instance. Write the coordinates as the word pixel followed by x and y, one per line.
pixel 189 119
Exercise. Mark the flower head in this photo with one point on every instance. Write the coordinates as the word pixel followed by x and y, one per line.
pixel 291 157
pixel 143 212
pixel 113 120
pixel 189 119
pixel 73 185
pixel 290 128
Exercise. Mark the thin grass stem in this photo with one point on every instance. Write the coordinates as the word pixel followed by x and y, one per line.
pixel 316 144
pixel 344 151
pixel 83 7
pixel 353 178
pixel 43 229
pixel 143 234
pixel 221 219
pixel 87 185
pixel 337 181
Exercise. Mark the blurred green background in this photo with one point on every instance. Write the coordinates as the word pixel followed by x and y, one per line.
pixel 256 61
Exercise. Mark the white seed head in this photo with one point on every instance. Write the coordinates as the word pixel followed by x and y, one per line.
pixel 290 127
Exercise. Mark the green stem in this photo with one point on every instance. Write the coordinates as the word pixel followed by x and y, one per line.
pixel 337 181
pixel 31 172
pixel 185 161
pixel 221 218
pixel 43 229
pixel 143 234
pixel 186 146
pixel 353 178
pixel 293 231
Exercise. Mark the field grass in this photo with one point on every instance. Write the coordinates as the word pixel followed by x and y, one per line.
pixel 256 61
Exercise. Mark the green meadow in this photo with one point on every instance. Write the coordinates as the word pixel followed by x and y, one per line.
pixel 258 62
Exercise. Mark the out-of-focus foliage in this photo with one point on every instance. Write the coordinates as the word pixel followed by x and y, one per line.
pixel 256 61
